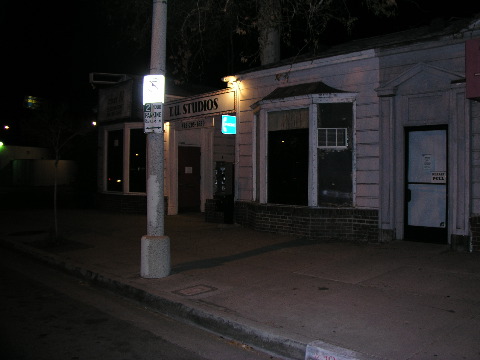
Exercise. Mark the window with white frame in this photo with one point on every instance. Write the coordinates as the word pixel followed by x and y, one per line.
pixel 334 154
pixel 137 165
pixel 125 167
pixel 114 168
pixel 304 149
pixel 288 148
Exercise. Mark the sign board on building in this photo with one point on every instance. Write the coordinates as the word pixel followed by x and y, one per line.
pixel 153 117
pixel 229 124
pixel 190 124
pixel 115 102
pixel 472 68
pixel 215 103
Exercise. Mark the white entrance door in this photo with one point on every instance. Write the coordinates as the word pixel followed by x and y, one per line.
pixel 426 185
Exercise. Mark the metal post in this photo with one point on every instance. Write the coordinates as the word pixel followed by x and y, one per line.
pixel 155 247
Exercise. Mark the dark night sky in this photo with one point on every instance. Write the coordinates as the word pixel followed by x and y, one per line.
pixel 37 57
pixel 50 47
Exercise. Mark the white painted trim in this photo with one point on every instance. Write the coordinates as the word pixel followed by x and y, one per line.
pixel 354 152
pixel 313 156
pixel 126 155
pixel 106 130
pixel 459 162
pixel 172 170
pixel 182 137
pixel 254 157
pixel 207 167
pixel 263 148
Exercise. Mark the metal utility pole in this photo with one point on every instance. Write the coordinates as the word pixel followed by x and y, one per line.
pixel 155 246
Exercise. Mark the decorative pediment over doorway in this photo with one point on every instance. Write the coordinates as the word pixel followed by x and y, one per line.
pixel 420 78
pixel 314 90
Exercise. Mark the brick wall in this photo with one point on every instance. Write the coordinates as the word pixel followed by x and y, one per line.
pixel 316 224
pixel 213 213
pixel 475 230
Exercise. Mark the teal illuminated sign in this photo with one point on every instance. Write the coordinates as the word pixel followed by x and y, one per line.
pixel 229 124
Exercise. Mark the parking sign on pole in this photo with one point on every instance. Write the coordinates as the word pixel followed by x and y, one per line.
pixel 153 117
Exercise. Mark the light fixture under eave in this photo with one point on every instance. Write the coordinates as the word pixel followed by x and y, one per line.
pixel 230 80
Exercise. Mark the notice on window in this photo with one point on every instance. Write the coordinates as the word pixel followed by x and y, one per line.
pixel 439 177
pixel 427 162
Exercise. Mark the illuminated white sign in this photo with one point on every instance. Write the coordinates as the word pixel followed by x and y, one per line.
pixel 153 89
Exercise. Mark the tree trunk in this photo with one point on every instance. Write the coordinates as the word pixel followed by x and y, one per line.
pixel 269 28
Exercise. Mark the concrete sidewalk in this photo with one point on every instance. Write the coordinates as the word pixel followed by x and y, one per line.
pixel 399 300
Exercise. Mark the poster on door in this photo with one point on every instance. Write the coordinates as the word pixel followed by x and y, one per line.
pixel 427 162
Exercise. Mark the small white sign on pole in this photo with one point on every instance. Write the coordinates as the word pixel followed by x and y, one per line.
pixel 153 117
pixel 153 89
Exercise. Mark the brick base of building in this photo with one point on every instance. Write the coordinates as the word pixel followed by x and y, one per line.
pixel 213 213
pixel 475 231
pixel 219 210
pixel 316 224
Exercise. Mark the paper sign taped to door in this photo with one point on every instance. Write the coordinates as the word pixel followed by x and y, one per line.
pixel 427 161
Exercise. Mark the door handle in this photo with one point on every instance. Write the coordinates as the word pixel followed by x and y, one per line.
pixel 408 195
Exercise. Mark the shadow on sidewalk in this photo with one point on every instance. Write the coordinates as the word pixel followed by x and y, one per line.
pixel 218 261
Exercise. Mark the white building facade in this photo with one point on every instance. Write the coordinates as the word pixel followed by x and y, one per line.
pixel 374 140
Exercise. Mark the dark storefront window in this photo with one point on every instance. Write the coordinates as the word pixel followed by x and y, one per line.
pixel 137 155
pixel 334 154
pixel 288 149
pixel 115 160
